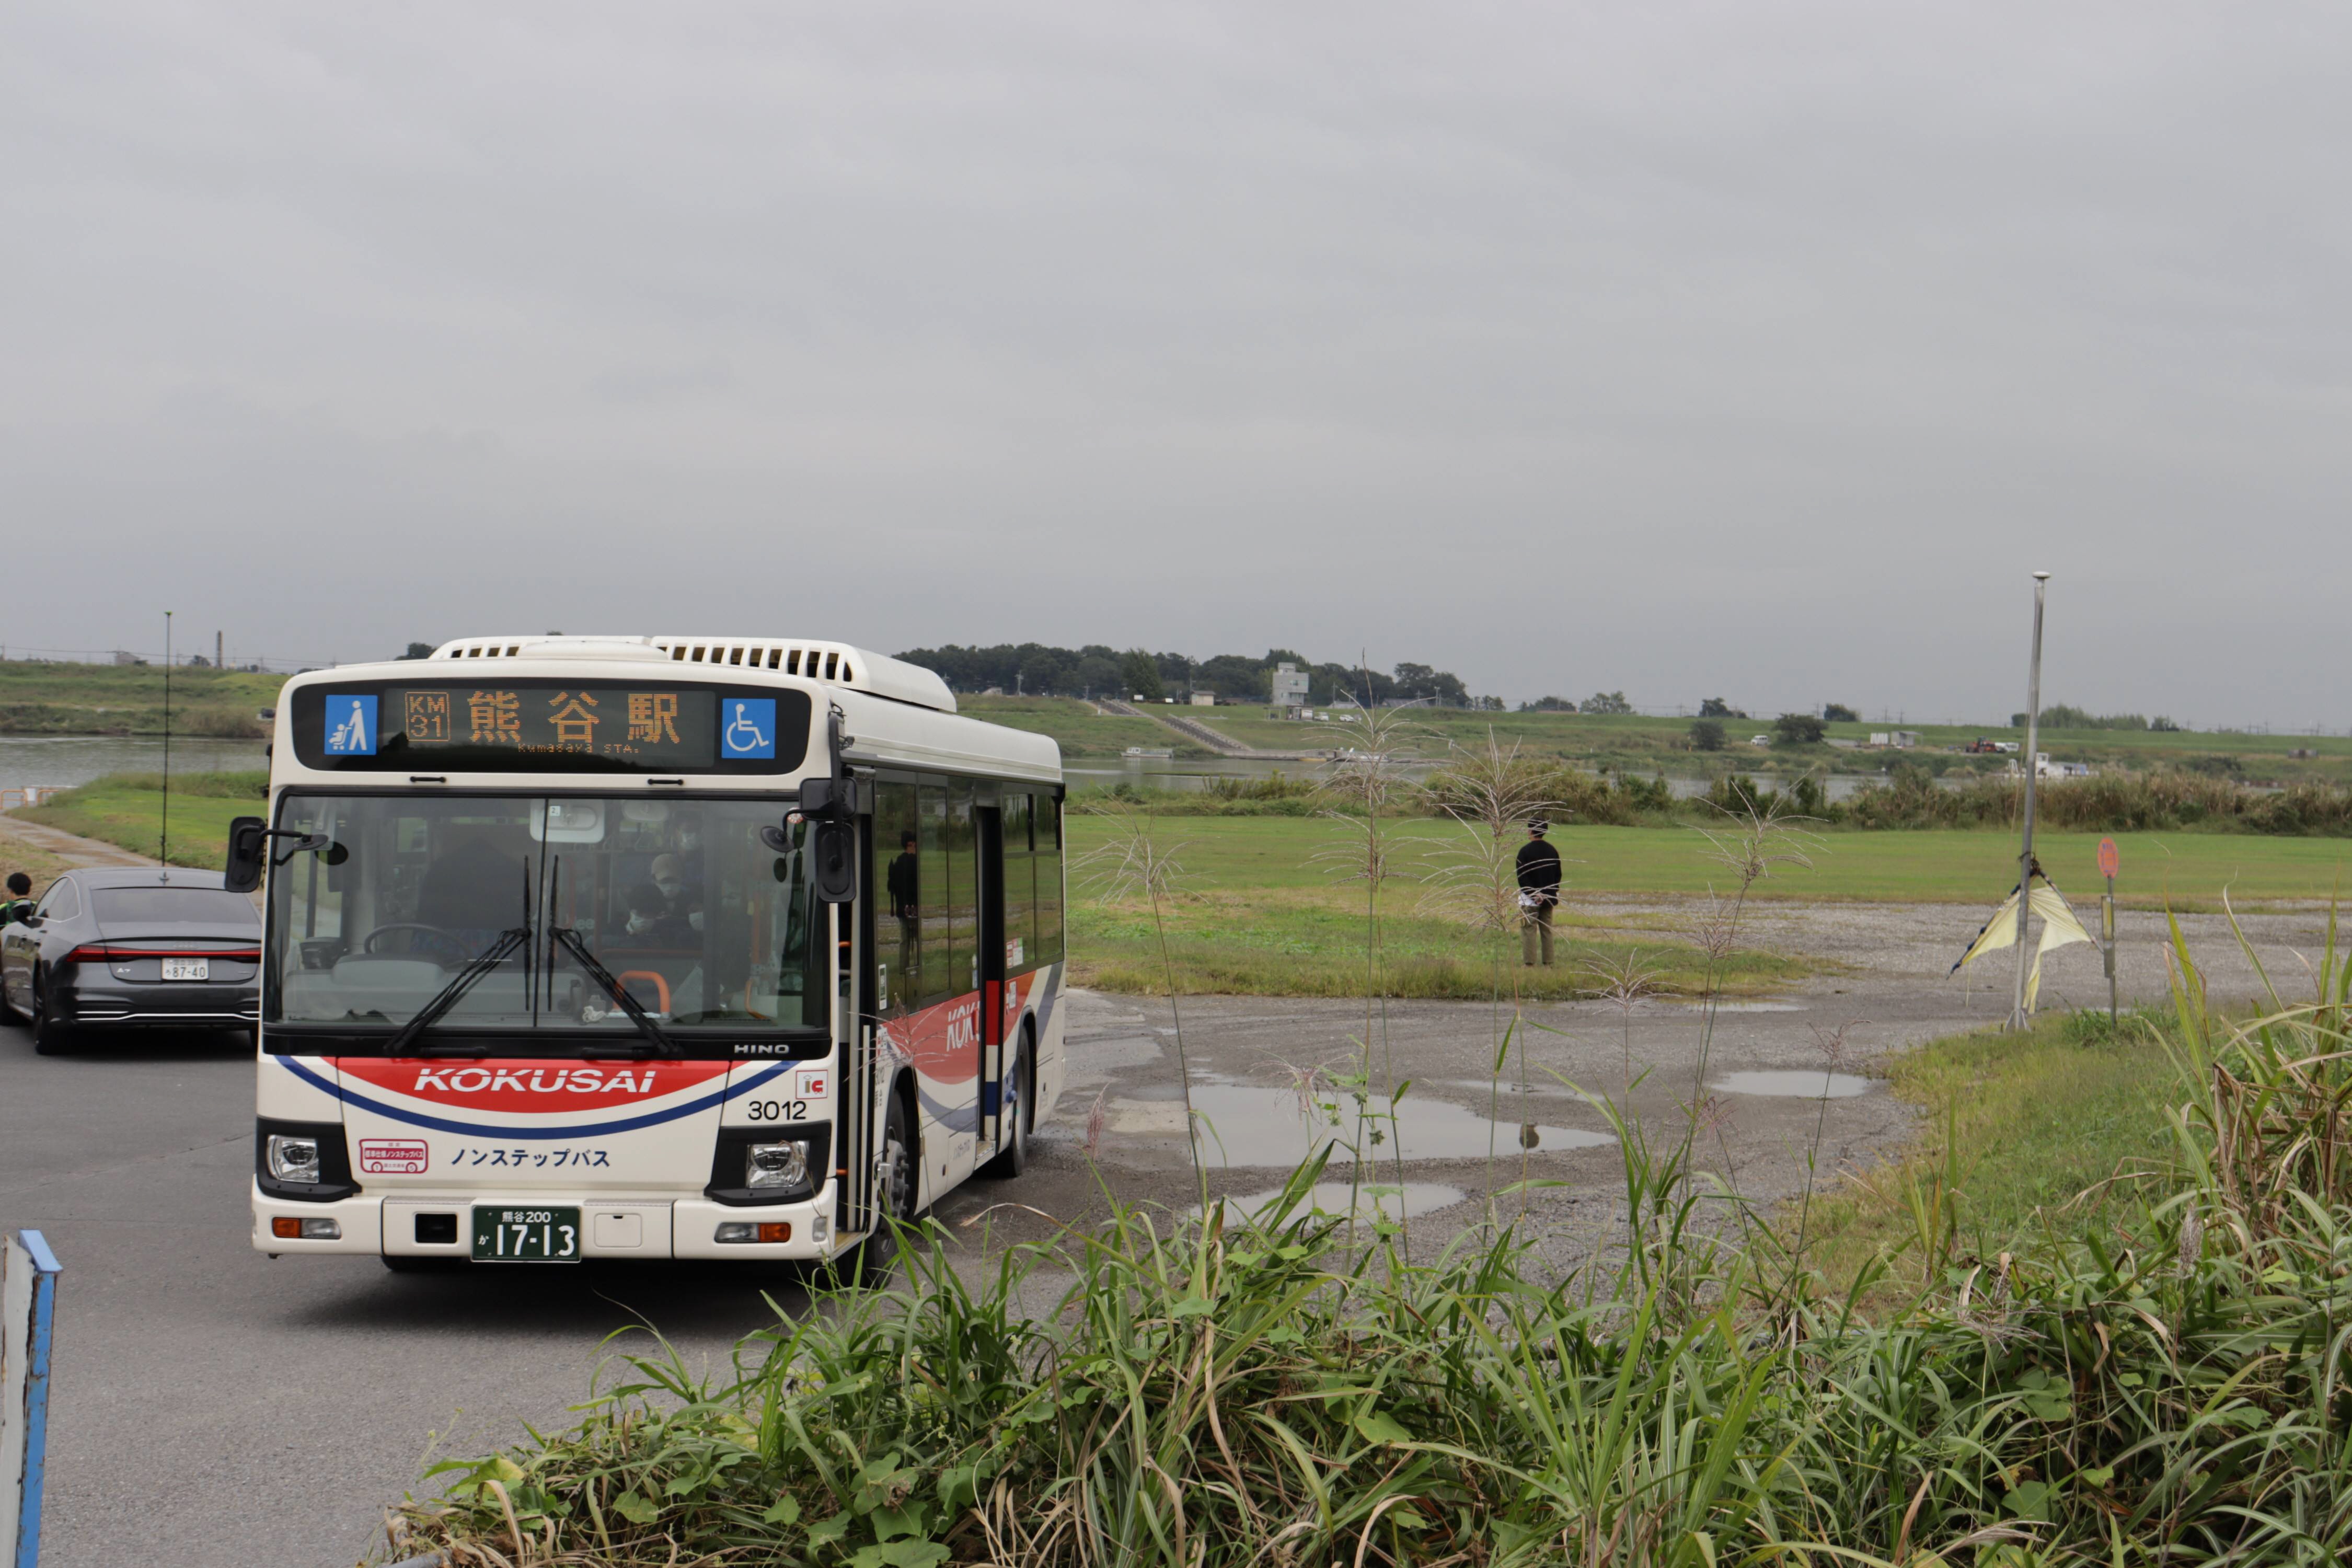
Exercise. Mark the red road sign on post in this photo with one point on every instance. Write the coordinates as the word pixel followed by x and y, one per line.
pixel 2109 859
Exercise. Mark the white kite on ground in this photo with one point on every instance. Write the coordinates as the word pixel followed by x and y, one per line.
pixel 2058 928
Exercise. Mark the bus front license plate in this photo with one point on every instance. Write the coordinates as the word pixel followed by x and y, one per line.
pixel 527 1234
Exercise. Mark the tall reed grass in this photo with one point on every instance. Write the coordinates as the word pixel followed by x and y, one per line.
pixel 2159 1379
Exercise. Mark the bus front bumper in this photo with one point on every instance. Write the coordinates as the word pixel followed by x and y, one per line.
pixel 613 1228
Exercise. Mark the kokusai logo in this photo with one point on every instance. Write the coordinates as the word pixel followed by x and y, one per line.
pixel 530 1086
pixel 575 1081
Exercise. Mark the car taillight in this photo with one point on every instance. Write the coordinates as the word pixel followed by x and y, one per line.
pixel 102 953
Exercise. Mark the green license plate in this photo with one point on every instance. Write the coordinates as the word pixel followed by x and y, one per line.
pixel 521 1233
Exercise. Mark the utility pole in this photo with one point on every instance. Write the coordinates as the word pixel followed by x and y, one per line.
pixel 2017 1019
pixel 219 639
pixel 163 842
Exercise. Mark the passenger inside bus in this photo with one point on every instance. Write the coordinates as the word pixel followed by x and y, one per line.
pixel 650 922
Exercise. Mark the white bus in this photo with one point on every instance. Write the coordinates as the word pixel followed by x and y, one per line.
pixel 645 947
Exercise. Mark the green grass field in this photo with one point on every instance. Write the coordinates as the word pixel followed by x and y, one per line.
pixel 2190 870
pixel 2016 1125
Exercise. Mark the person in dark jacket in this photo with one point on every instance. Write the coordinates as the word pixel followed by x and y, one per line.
pixel 1539 892
pixel 19 901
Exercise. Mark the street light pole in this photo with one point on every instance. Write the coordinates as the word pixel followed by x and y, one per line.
pixel 2017 1019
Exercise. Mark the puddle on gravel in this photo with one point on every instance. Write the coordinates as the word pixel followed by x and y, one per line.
pixel 1800 1084
pixel 1388 1199
pixel 1249 1125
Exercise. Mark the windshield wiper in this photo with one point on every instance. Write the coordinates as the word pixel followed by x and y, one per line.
pixel 450 995
pixel 612 987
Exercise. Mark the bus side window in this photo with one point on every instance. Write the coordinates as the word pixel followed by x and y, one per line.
pixel 933 906
pixel 1049 880
pixel 897 898
pixel 1019 886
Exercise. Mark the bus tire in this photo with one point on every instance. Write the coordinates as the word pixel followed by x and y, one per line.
pixel 877 1256
pixel 1019 1113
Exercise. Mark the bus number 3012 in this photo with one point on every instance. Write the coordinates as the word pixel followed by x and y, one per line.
pixel 776 1110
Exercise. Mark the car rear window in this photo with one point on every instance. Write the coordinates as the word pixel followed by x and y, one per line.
pixel 172 906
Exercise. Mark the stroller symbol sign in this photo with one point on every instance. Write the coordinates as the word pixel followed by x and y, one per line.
pixel 751 730
pixel 350 725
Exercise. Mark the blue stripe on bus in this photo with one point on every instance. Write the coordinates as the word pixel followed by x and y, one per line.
pixel 591 1130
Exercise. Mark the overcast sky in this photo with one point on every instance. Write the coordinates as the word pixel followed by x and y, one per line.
pixel 1759 350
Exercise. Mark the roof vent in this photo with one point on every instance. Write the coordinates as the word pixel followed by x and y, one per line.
pixel 835 664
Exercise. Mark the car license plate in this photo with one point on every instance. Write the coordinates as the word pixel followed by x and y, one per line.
pixel 187 969
pixel 524 1234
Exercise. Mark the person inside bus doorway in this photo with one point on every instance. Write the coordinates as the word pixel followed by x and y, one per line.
pixel 904 887
pixel 1540 869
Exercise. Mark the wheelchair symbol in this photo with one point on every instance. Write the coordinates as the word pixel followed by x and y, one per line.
pixel 744 737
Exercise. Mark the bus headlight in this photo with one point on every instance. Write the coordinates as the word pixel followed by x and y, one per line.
pixel 295 1159
pixel 769 1166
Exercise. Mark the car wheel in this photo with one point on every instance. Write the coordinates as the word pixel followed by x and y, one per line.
pixel 1019 1106
pixel 51 1038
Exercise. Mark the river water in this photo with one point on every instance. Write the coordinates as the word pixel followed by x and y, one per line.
pixel 67 760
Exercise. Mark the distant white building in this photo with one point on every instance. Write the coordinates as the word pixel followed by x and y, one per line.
pixel 1902 739
pixel 1290 684
pixel 1205 700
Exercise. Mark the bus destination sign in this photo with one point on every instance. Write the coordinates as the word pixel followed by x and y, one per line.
pixel 534 726
pixel 669 726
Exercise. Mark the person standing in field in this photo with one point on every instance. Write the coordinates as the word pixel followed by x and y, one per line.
pixel 1539 892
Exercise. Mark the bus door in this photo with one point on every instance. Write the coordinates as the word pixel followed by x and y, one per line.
pixel 990 827
pixel 861 1017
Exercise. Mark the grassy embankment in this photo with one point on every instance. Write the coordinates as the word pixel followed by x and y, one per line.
pixel 1639 741
pixel 2154 1377
pixel 128 700
pixel 127 809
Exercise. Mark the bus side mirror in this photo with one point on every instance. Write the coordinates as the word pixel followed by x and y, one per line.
pixel 834 862
pixel 248 841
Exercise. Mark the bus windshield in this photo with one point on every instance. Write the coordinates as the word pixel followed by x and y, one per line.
pixel 385 899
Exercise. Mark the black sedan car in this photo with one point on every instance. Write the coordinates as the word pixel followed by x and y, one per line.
pixel 132 948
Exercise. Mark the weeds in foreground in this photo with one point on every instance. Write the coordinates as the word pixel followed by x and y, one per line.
pixel 1492 792
pixel 2165 1383
pixel 1358 791
pixel 1133 864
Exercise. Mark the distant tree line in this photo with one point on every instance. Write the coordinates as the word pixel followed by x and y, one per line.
pixel 2066 716
pixel 1038 670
